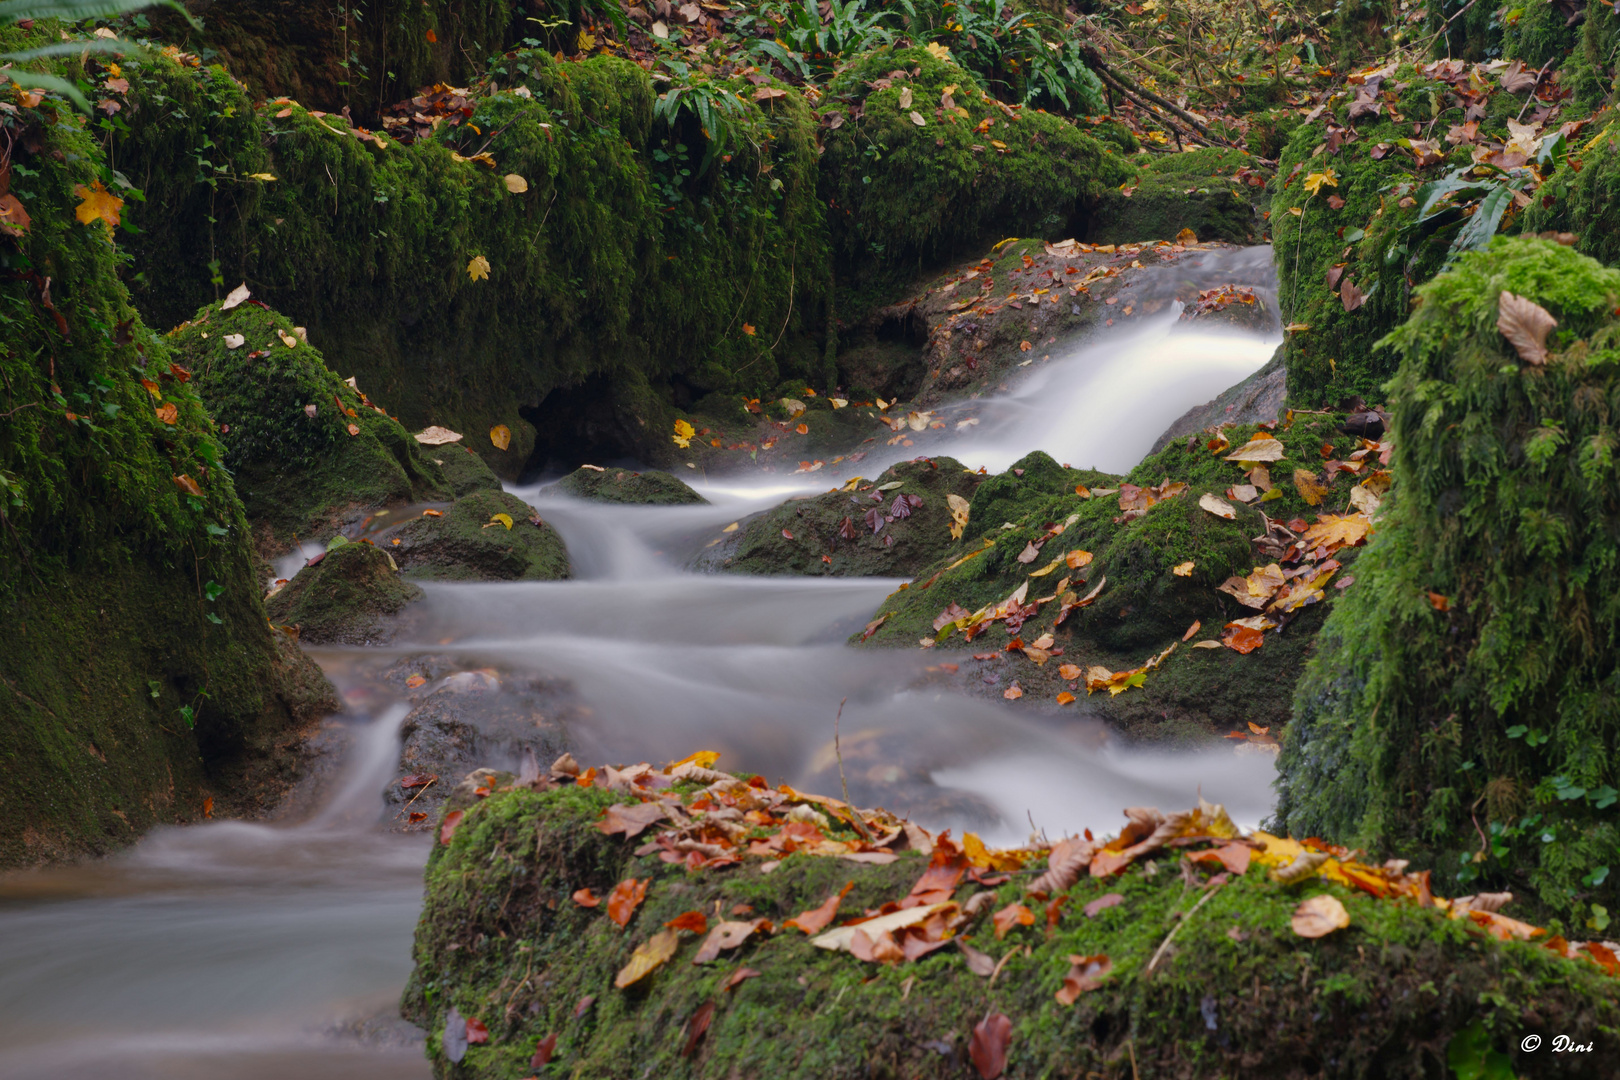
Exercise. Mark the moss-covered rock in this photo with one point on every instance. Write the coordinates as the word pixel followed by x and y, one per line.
pixel 463 470
pixel 1144 606
pixel 140 677
pixel 1465 698
pixel 906 195
pixel 649 488
pixel 1201 191
pixel 892 526
pixel 1204 983
pixel 628 265
pixel 468 542
pixel 344 597
pixel 1581 201
pixel 307 451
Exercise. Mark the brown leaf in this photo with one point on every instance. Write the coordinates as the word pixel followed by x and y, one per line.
pixel 1351 296
pixel 981 964
pixel 697 1026
pixel 626 896
pixel 1087 974
pixel 630 820
pixel 736 978
pixel 1012 915
pixel 543 1051
pixel 187 485
pixel 1525 324
pixel 726 936
pixel 1234 857
pixel 1068 859
pixel 452 821
pixel 168 413
pixel 988 1047
pixel 1319 916
pixel 816 919
pixel 1102 903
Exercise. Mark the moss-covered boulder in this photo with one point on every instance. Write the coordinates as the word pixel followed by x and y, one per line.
pixel 140 678
pixel 463 470
pixel 485 536
pixel 650 488
pixel 1208 191
pixel 1111 572
pixel 1580 201
pixel 345 596
pixel 1190 978
pixel 906 193
pixel 891 526
pixel 308 451
pixel 1465 697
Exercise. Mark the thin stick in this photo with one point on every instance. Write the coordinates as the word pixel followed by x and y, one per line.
pixel 1531 96
pixel 418 795
pixel 1131 1046
pixel 838 750
pixel 1165 944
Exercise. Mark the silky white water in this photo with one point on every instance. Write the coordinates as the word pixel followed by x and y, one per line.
pixel 254 950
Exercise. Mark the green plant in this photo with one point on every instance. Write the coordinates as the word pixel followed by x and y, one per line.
pixel 716 109
pixel 817 43
pixel 72 11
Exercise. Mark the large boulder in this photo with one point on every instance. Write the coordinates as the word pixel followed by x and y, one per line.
pixel 1463 701
pixel 346 596
pixel 485 536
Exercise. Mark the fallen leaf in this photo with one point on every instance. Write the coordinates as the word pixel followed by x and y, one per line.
pixel 1217 506
pixel 234 341
pixel 1087 974
pixel 436 436
pixel 988 1047
pixel 168 413
pixel 649 955
pixel 543 1051
pixel 354 429
pixel 803 429
pixel 1193 629
pixel 501 436
pixel 1102 903
pixel 727 936
pixel 1065 698
pixel 499 519
pixel 736 978
pixel 694 921
pixel 235 297
pixel 1182 570
pixel 96 203
pixel 1077 559
pixel 816 919
pixel 1310 489
pixel 586 898
pixel 1524 323
pixel 980 963
pixel 1068 859
pixel 1243 639
pixel 478 268
pixel 626 896
pixel 917 118
pixel 287 339
pixel 1439 602
pixel 630 820
pixel 187 485
pixel 452 821
pixel 477 1031
pixel 515 183
pixel 1332 531
pixel 1012 915
pixel 697 1026
pixel 1262 447
pixel 1013 692
pixel 683 434
pixel 1319 916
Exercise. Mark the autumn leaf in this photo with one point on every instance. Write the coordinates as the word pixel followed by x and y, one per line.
pixel 1314 182
pixel 234 341
pixel 235 297
pixel 1524 323
pixel 96 203
pixel 586 898
pixel 626 896
pixel 1182 569
pixel 168 413
pixel 1439 602
pixel 287 339
pixel 448 827
pixel 432 38
pixel 187 485
pixel 1217 506
pixel 1258 449
pixel 1102 903
pixel 959 514
pixel 649 955
pixel 1319 916
pixel 630 821
pixel 1310 489
pixel 938 51
pixel 1186 236
pixel 1193 629
pixel 683 434
pixel 14 219
pixel 499 519
pixel 816 919
pixel 1070 671
pixel 1333 532
pixel 1076 559
pixel 354 429
pixel 1241 638
pixel 988 1047
pixel 501 436
pixel 478 268
pixel 1068 859
pixel 515 183
pixel 803 429
pixel 726 936
pixel 1065 698
pixel 1013 692
pixel 737 977
pixel 694 921
pixel 1087 973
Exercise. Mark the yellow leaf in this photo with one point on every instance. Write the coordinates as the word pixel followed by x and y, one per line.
pixel 747 329
pixel 478 268
pixel 1333 532
pixel 96 203
pixel 501 436
pixel 1306 864
pixel 1077 559
pixel 516 184
pixel 1048 568
pixel 650 954
pixel 500 519
pixel 1260 448
pixel 168 413
pixel 1296 211
pixel 1182 570
pixel 1317 180
pixel 287 339
pixel 1279 851
pixel 703 759
pixel 683 434
pixel 585 42
pixel 959 514
pixel 261 176
pixel 1310 489
pixel 1186 236
pixel 1319 916
pixel 984 858
pixel 938 51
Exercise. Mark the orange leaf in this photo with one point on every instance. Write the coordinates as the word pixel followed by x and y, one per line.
pixel 1070 671
pixel 354 429
pixel 695 921
pixel 747 329
pixel 1436 601
pixel 208 806
pixel 452 821
pixel 1234 857
pixel 168 413
pixel 1242 639
pixel 1064 698
pixel 187 485
pixel 1013 692
pixel 431 36
pixel 1087 974
pixel 816 919
pixel 433 513
pixel 1320 916
pixel 803 429
pixel 626 896
pixel 96 203
pixel 586 898
pixel 1014 914
pixel 416 680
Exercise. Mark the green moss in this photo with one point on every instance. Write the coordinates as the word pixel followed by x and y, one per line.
pixel 344 597
pixel 1538 31
pixel 794 537
pixel 468 543
pixel 622 263
pixel 1182 191
pixel 1144 607
pixel 651 488
pixel 905 196
pixel 127 596
pixel 299 475
pixel 463 471
pixel 1581 202
pixel 1495 716
pixel 1235 991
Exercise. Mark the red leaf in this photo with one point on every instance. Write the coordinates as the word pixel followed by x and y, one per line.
pixel 737 977
pixel 1102 903
pixel 939 881
pixel 698 1025
pixel 452 821
pixel 695 921
pixel 543 1052
pixel 584 1005
pixel 626 896
pixel 988 1047
pixel 476 1031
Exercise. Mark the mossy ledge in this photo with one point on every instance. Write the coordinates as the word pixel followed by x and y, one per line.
pixel 1235 991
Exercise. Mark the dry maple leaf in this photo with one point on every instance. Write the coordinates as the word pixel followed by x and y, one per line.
pixel 478 268
pixel 649 955
pixel 96 203
pixel 1319 916
pixel 1525 324
pixel 1332 531
pixel 1310 489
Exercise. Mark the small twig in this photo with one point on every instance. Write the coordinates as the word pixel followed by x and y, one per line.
pixel 1424 45
pixel 838 750
pixel 1131 1046
pixel 1165 944
pixel 418 795
pixel 1531 96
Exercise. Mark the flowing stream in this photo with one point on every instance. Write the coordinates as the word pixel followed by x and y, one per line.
pixel 252 950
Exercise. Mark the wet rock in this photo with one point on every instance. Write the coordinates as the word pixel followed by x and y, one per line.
pixel 346 597
pixel 1186 191
pixel 1238 306
pixel 464 471
pixel 472 721
pixel 467 542
pixel 893 525
pixel 650 488
pixel 894 769
pixel 1259 399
